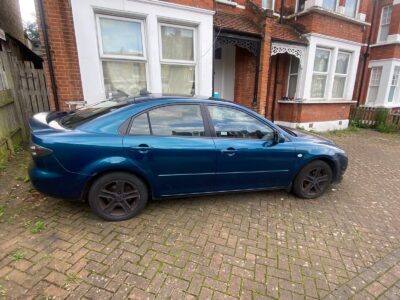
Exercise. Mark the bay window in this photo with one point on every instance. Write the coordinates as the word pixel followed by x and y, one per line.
pixel 394 83
pixel 341 71
pixel 293 77
pixel 178 66
pixel 320 73
pixel 374 82
pixel 122 54
pixel 385 23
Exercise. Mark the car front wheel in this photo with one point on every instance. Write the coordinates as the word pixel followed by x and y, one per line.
pixel 313 180
pixel 117 196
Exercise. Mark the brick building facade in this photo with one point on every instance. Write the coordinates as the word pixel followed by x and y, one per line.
pixel 300 64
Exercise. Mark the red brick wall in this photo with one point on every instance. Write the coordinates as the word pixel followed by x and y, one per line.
pixel 319 112
pixel 61 34
pixel 328 25
pixel 245 71
pixel 385 51
pixel 206 4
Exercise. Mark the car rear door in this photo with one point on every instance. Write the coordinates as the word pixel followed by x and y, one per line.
pixel 247 156
pixel 172 143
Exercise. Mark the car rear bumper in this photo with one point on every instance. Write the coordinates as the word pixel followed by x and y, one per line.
pixel 63 185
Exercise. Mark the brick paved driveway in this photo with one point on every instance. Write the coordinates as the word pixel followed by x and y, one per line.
pixel 254 245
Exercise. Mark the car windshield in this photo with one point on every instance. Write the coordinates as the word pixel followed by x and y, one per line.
pixel 80 116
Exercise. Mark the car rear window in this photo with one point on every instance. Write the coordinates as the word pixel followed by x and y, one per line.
pixel 88 113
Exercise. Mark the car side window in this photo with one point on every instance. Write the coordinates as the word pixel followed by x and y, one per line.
pixel 140 125
pixel 233 123
pixel 172 120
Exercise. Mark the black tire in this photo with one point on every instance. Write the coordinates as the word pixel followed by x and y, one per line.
pixel 313 180
pixel 118 196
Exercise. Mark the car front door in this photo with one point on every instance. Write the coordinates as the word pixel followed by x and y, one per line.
pixel 172 144
pixel 247 155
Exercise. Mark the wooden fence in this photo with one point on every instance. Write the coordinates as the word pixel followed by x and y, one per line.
pixel 373 116
pixel 23 93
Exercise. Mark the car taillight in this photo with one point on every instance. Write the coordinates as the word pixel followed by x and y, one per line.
pixel 38 151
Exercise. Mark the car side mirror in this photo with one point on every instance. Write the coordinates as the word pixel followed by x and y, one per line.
pixel 278 138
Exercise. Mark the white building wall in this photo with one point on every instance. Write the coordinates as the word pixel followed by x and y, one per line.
pixel 151 11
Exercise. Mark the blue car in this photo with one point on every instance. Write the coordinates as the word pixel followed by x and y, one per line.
pixel 120 153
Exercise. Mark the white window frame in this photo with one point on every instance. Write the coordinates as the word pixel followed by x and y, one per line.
pixel 345 75
pixel 122 58
pixel 174 62
pixel 292 74
pixel 376 84
pixel 394 83
pixel 264 4
pixel 386 24
pixel 321 73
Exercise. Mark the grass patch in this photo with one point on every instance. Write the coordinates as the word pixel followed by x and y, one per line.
pixel 38 227
pixel 71 278
pixel 2 211
pixel 23 178
pixel 18 255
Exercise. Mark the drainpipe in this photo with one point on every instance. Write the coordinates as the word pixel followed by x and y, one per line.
pixel 281 16
pixel 366 54
pixel 48 54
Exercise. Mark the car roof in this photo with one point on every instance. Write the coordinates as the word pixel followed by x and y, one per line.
pixel 153 97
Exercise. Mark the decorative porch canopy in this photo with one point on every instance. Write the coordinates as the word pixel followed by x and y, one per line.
pixel 292 49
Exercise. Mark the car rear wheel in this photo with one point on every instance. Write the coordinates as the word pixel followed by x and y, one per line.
pixel 117 196
pixel 313 180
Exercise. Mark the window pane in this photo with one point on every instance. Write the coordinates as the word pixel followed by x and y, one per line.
pixel 294 65
pixel 338 87
pixel 342 63
pixel 292 86
pixel 178 80
pixel 376 76
pixel 180 120
pixel 128 77
pixel 318 86
pixel 386 15
pixel 177 43
pixel 372 94
pixel 350 8
pixel 391 93
pixel 121 37
pixel 321 60
pixel 140 125
pixel 329 4
pixel 383 34
pixel 231 123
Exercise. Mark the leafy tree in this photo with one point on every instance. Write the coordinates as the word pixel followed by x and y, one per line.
pixel 32 30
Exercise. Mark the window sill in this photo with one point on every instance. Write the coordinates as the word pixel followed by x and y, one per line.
pixel 230 3
pixel 317 101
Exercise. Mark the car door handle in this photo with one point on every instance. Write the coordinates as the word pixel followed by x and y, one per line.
pixel 142 148
pixel 229 151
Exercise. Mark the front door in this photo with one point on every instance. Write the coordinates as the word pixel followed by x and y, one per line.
pixel 247 156
pixel 171 145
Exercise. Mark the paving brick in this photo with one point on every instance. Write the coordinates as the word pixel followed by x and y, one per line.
pixel 248 246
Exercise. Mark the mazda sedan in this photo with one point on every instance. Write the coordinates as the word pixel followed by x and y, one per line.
pixel 120 153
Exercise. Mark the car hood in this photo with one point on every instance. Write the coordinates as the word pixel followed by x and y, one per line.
pixel 300 136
